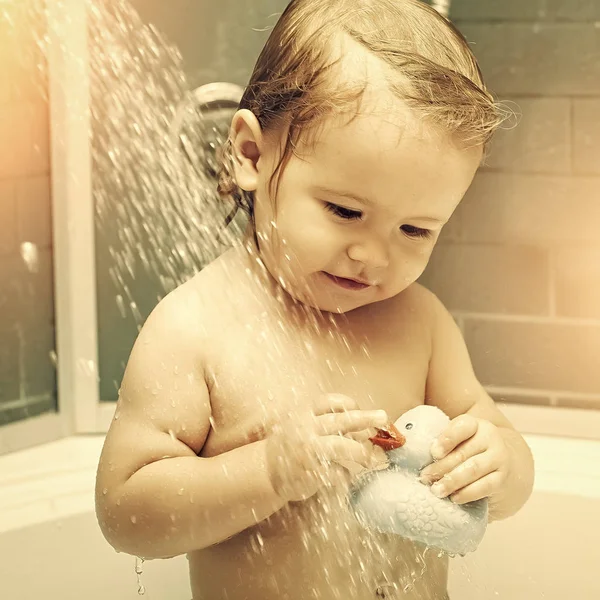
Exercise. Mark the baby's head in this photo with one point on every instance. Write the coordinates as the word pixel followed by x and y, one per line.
pixel 360 131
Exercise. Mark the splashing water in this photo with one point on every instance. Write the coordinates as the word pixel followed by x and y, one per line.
pixel 158 215
pixel 156 204
pixel 30 256
pixel 139 562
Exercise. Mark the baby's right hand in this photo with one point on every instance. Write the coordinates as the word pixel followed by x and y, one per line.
pixel 303 458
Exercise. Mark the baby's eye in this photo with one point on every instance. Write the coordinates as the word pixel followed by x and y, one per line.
pixel 416 232
pixel 344 213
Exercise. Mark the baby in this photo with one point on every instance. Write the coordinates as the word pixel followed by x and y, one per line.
pixel 252 389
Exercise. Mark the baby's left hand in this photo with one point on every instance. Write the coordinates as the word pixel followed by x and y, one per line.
pixel 472 461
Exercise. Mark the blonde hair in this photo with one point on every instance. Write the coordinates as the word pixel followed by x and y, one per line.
pixel 293 82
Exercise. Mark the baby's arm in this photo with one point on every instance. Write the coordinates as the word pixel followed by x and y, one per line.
pixel 155 497
pixel 482 454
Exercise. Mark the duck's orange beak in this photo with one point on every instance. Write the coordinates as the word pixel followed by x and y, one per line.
pixel 389 438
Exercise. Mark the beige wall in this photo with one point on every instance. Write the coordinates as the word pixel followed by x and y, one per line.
pixel 519 266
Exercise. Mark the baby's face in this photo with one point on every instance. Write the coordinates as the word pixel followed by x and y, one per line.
pixel 365 204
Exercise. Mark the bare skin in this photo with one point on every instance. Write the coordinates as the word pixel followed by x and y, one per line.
pixel 317 544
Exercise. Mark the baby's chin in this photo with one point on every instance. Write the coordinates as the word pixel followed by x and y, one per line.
pixel 311 295
pixel 328 304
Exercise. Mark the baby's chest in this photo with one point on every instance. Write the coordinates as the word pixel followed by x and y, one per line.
pixel 258 379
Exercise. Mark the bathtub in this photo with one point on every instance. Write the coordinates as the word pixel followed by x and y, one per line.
pixel 51 547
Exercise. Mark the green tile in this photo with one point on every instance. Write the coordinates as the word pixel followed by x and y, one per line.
pixel 38 369
pixel 9 365
pixel 26 297
pixel 34 213
pixel 35 406
pixel 8 218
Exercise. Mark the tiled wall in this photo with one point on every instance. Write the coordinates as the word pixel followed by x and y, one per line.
pixel 519 266
pixel 27 372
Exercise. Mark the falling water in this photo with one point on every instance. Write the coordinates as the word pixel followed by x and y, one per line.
pixel 139 562
pixel 157 211
pixel 157 208
pixel 158 215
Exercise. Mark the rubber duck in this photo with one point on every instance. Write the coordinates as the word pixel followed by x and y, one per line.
pixel 393 500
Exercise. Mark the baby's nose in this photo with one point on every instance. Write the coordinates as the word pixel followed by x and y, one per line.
pixel 371 253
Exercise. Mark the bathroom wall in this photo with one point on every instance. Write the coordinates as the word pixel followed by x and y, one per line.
pixel 519 264
pixel 27 373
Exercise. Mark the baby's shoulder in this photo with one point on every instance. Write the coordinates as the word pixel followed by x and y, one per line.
pixel 193 306
pixel 419 302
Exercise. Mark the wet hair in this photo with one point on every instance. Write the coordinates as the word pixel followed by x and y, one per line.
pixel 297 80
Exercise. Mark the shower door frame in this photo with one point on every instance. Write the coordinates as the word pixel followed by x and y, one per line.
pixel 73 218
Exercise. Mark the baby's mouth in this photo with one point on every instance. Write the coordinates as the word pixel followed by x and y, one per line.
pixel 346 283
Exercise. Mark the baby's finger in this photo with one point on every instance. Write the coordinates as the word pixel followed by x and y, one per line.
pixel 350 421
pixel 363 435
pixel 460 429
pixel 329 403
pixel 482 488
pixel 471 470
pixel 458 456
pixel 339 449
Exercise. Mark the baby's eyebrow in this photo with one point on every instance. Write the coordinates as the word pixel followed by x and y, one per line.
pixel 345 194
pixel 434 220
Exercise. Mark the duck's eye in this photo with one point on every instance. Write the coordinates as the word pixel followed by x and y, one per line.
pixel 409 426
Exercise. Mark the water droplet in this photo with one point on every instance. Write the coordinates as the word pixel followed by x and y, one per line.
pixel 30 256
pixel 139 571
pixel 133 519
pixel 104 492
pixel 121 305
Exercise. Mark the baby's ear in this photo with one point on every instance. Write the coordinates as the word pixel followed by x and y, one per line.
pixel 246 141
